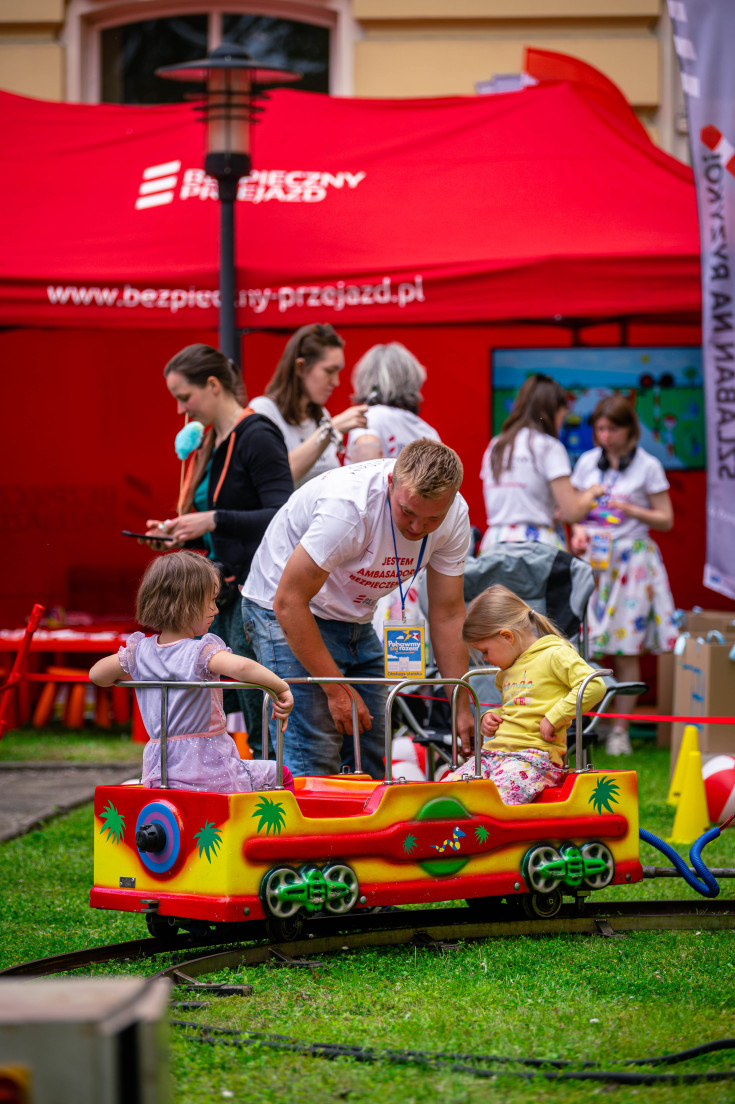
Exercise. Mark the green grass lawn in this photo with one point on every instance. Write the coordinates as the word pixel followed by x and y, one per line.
pixel 58 745
pixel 575 997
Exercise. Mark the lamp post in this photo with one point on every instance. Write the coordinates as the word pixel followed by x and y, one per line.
pixel 231 78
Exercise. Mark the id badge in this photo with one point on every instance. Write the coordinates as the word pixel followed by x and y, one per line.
pixel 403 648
pixel 599 549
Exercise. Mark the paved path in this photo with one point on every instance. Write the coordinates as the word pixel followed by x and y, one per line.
pixel 32 792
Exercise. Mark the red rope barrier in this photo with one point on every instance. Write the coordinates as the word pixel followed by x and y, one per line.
pixel 643 718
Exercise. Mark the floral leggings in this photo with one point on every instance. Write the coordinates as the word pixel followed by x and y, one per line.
pixel 519 775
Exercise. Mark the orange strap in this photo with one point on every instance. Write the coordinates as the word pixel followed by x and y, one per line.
pixel 230 447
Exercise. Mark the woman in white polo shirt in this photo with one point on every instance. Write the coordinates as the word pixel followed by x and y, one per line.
pixel 296 398
pixel 526 472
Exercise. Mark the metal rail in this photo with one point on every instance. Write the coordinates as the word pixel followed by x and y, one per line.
pixel 333 934
pixel 348 685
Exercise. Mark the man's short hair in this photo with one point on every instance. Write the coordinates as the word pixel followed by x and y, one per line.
pixel 428 468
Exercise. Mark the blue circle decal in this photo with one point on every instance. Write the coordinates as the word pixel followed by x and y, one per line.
pixel 164 814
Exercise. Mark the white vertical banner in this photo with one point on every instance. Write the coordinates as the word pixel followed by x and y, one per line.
pixel 702 31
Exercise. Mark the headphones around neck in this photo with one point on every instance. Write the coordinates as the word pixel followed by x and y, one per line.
pixel 625 461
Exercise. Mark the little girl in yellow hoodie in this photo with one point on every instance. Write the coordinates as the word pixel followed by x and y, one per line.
pixel 540 674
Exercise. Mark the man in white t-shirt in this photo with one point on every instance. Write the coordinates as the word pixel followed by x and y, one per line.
pixel 327 556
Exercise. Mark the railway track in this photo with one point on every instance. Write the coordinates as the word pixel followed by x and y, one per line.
pixel 437 928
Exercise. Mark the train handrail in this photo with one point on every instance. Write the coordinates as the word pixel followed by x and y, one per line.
pixel 458 684
pixel 578 746
pixel 168 684
pixel 347 684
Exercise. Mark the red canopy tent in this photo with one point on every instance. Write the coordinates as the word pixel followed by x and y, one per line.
pixel 529 205
pixel 455 225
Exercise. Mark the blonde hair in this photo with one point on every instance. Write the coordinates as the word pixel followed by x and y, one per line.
pixel 428 468
pixel 174 591
pixel 499 608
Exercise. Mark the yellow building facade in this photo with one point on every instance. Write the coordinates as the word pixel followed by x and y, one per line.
pixel 56 49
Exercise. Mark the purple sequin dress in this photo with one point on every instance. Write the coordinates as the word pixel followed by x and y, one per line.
pixel 200 754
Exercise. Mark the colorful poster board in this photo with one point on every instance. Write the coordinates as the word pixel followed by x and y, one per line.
pixel 664 384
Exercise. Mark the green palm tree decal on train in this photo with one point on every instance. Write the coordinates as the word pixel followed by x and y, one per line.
pixel 113 823
pixel 208 839
pixel 271 816
pixel 604 795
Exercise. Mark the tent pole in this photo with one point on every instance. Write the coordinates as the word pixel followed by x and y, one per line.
pixel 227 335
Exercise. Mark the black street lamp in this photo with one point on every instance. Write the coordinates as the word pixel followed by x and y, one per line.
pixel 232 79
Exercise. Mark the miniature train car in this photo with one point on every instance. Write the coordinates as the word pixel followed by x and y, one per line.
pixel 346 842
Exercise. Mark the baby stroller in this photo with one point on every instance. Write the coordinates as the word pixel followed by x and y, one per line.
pixel 552 582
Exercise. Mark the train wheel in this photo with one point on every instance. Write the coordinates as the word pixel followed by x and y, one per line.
pixel 598 851
pixel 163 928
pixel 280 930
pixel 533 868
pixel 347 878
pixel 276 881
pixel 541 906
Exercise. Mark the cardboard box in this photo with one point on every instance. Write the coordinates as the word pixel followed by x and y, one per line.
pixel 698 622
pixel 704 686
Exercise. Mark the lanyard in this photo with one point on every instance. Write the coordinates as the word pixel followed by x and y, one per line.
pixel 398 573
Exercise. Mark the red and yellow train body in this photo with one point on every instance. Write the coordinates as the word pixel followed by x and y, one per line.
pixel 404 843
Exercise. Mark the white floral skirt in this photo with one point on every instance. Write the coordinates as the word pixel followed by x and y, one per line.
pixel 632 610
pixel 513 534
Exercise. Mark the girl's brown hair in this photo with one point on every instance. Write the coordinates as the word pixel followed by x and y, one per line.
pixel 308 344
pixel 499 608
pixel 618 410
pixel 174 591
pixel 536 405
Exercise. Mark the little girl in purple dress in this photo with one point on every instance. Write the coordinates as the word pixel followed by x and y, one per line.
pixel 177 596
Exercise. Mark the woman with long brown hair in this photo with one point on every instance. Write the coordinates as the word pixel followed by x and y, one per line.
pixel 526 471
pixel 632 610
pixel 296 398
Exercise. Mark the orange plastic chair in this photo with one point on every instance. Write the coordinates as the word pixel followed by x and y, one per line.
pixel 18 670
pixel 56 677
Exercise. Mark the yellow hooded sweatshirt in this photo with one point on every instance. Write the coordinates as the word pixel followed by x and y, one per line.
pixel 543 682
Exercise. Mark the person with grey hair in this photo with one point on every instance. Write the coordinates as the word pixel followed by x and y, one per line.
pixel 389 379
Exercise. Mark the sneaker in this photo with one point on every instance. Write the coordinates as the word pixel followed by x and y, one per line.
pixel 618 742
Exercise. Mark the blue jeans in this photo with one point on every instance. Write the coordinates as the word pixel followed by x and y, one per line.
pixel 311 743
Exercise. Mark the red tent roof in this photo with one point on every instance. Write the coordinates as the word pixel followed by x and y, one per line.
pixel 528 205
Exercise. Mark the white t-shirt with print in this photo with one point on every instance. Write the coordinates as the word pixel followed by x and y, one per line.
pixel 295 435
pixel 522 495
pixel 393 427
pixel 645 476
pixel 343 521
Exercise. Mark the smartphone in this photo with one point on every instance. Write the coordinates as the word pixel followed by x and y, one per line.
pixel 145 536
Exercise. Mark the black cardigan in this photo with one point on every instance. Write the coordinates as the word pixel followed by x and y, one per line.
pixel 257 483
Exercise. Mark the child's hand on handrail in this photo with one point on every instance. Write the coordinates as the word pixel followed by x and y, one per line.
pixel 282 706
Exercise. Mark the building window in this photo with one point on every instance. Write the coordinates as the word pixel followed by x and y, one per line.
pixel 130 53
